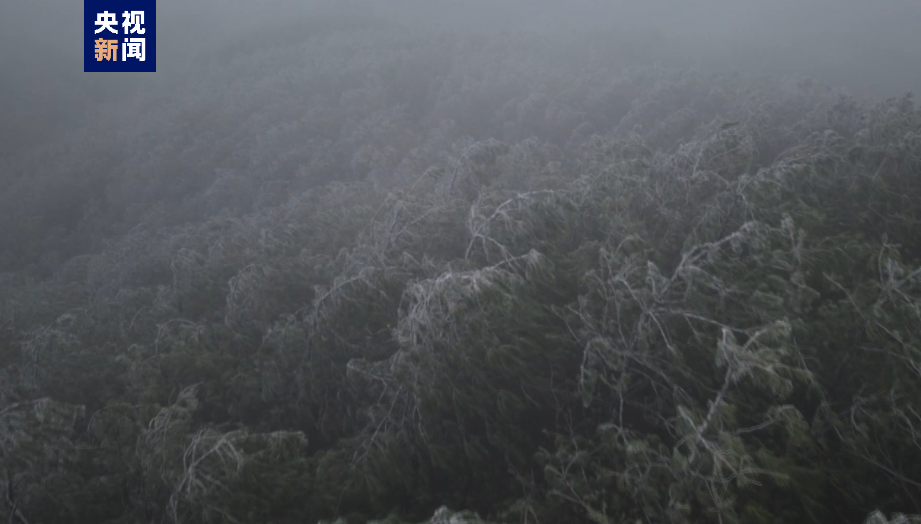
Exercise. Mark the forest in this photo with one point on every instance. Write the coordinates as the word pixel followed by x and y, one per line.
pixel 356 269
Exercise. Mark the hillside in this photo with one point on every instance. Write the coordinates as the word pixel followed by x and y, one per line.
pixel 355 271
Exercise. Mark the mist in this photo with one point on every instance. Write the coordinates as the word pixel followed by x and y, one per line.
pixel 871 48
pixel 473 261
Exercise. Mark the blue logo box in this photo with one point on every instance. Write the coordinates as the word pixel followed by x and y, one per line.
pixel 119 36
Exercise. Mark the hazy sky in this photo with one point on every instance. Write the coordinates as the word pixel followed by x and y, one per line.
pixel 54 26
pixel 874 45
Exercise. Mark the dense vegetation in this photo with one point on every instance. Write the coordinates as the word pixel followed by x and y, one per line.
pixel 368 273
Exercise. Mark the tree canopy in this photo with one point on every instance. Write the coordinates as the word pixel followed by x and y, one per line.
pixel 370 275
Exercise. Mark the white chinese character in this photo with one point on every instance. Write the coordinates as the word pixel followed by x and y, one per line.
pixel 133 48
pixel 133 18
pixel 106 19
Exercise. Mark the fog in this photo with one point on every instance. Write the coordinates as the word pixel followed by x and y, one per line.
pixel 414 261
pixel 870 47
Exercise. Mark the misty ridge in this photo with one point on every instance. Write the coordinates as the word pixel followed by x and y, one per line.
pixel 510 262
